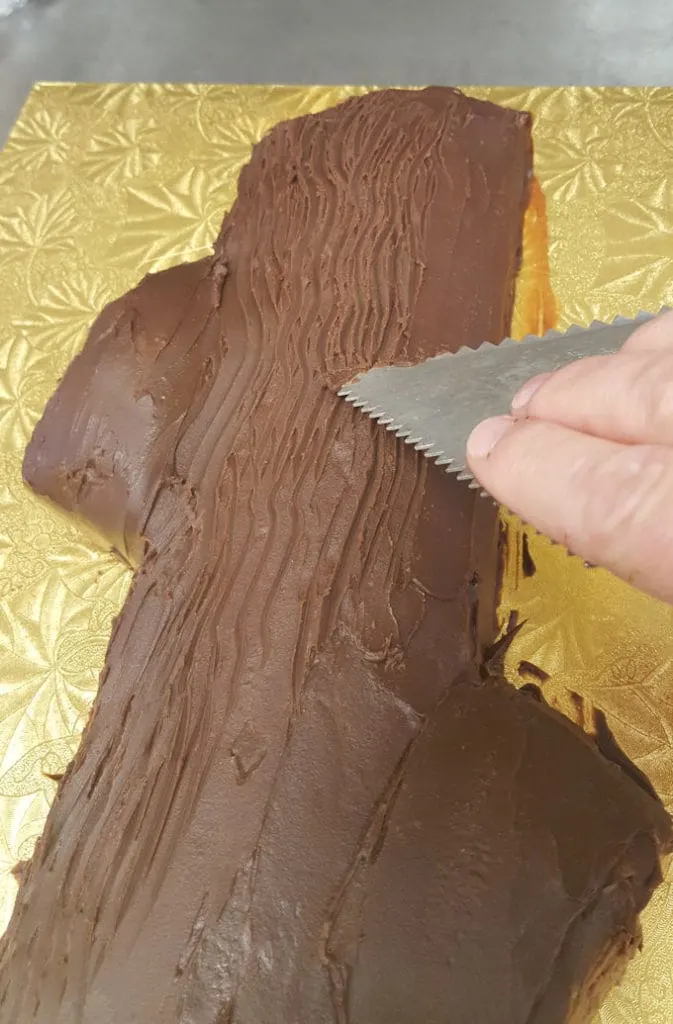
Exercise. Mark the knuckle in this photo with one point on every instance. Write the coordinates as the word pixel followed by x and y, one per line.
pixel 656 333
pixel 661 400
pixel 626 501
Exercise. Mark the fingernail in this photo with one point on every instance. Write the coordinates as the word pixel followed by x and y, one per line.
pixel 485 437
pixel 524 395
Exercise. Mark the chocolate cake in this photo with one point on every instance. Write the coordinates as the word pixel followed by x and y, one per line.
pixel 301 798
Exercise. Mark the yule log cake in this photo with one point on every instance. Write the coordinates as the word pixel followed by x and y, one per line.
pixel 302 797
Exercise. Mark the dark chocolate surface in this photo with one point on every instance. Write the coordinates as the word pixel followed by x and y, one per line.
pixel 291 804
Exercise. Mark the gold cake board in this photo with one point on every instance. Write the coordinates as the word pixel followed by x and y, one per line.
pixel 100 184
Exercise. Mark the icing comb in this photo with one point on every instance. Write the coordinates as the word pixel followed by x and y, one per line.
pixel 435 404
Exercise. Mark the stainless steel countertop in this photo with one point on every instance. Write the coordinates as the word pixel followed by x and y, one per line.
pixel 509 42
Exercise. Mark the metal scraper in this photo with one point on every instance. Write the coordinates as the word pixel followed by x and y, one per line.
pixel 434 405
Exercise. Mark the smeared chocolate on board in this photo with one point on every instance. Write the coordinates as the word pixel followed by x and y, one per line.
pixel 610 748
pixel 528 669
pixel 295 800
pixel 527 562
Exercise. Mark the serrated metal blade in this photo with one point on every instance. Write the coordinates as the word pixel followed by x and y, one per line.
pixel 434 405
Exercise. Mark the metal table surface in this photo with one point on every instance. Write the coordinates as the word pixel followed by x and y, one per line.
pixel 508 42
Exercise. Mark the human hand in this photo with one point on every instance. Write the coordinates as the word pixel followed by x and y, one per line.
pixel 586 457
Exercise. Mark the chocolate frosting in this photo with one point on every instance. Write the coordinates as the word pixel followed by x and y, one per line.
pixel 296 800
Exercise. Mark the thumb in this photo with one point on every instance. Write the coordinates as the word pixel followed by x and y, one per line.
pixel 612 504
